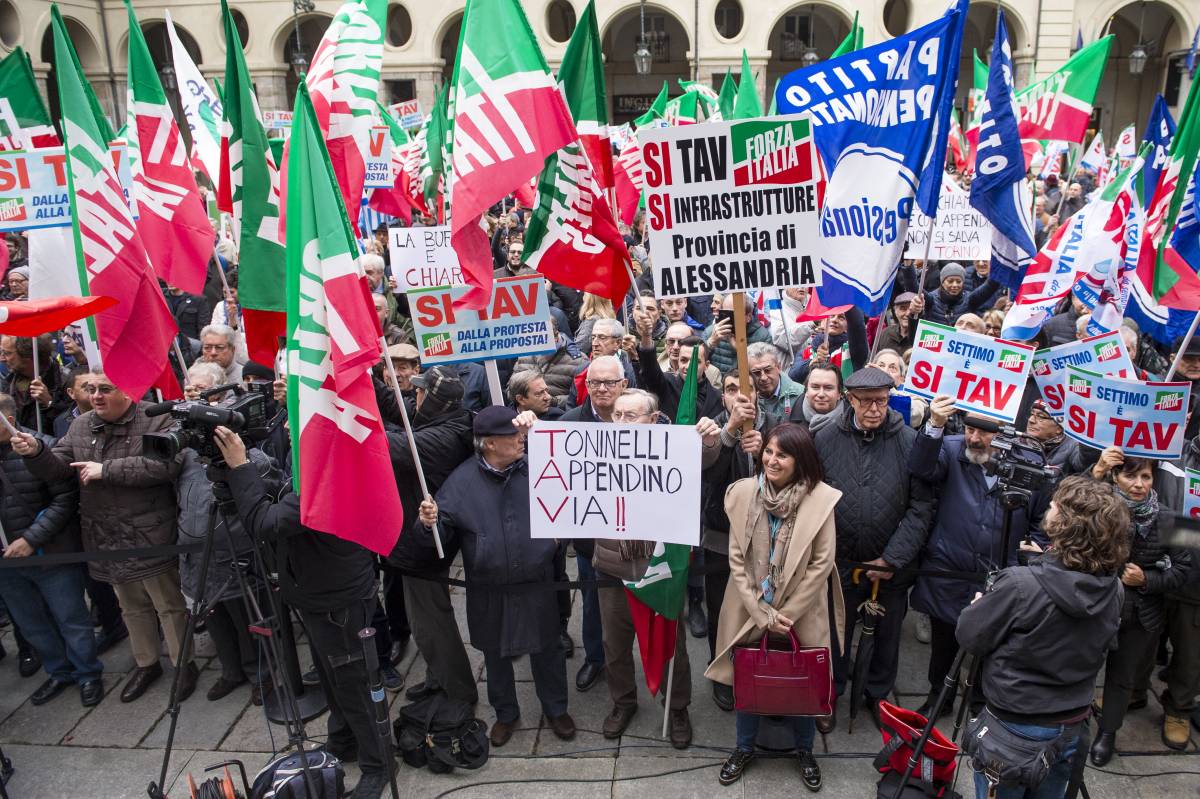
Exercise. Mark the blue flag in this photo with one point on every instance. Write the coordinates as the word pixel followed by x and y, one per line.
pixel 999 190
pixel 1159 132
pixel 1190 63
pixel 881 117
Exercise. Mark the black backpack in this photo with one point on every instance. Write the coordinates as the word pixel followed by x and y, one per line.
pixel 441 733
pixel 283 778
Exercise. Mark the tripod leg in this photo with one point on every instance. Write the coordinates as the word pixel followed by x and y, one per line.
pixel 383 728
pixel 949 688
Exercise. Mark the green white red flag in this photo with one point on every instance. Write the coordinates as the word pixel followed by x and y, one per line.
pixel 343 82
pixel 172 219
pixel 341 468
pixel 1059 106
pixel 24 121
pixel 432 141
pixel 248 191
pixel 201 106
pixel 134 334
pixel 572 237
pixel 395 201
pixel 508 118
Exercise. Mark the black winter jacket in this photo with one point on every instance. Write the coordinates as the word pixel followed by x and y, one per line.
pixel 44 513
pixel 940 307
pixel 1145 603
pixel 732 464
pixel 885 511
pixel 1042 634
pixel 669 387
pixel 56 383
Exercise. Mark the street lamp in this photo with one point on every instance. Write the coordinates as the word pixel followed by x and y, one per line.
pixel 168 77
pixel 1139 56
pixel 810 56
pixel 299 59
pixel 643 59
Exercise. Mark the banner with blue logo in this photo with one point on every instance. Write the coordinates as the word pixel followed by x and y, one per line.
pixel 1159 132
pixel 1146 420
pixel 999 190
pixel 881 116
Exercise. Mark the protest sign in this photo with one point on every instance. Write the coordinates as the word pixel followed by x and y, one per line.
pixel 378 160
pixel 984 375
pixel 407 113
pixel 33 187
pixel 638 482
pixel 961 232
pixel 422 258
pixel 1191 497
pixel 515 322
pixel 731 206
pixel 277 120
pixel 1146 420
pixel 1103 354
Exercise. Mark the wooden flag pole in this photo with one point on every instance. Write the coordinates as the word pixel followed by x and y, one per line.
pixel 37 375
pixel 412 441
pixel 739 335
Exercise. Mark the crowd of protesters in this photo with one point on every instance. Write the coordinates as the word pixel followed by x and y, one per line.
pixel 825 462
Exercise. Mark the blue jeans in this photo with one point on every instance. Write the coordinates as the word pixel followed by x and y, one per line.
pixel 1055 784
pixel 804 730
pixel 593 632
pixel 48 605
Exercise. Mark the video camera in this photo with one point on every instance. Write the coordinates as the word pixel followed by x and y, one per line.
pixel 245 413
pixel 1019 463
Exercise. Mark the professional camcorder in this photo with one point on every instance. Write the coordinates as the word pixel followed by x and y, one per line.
pixel 245 413
pixel 1019 462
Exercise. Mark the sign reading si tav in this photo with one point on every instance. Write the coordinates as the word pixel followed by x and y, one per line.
pixel 731 206
pixel 881 116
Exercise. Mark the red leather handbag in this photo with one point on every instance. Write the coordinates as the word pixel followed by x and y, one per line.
pixel 797 681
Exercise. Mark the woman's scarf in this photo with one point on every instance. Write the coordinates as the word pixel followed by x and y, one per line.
pixel 1144 513
pixel 766 562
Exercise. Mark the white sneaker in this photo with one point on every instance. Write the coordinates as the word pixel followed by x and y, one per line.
pixel 924 634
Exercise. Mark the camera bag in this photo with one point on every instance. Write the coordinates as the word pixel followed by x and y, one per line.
pixel 441 733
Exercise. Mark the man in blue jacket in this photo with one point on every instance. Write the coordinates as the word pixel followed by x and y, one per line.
pixel 967 529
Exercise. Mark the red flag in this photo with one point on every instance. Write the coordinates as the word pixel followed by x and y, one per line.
pixel 815 311
pixel 656 640
pixel 35 317
pixel 168 385
pixel 628 180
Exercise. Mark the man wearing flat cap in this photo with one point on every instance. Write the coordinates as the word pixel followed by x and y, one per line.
pixel 482 510
pixel 882 518
pixel 967 528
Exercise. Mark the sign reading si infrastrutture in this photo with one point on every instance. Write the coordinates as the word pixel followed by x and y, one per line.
pixel 731 206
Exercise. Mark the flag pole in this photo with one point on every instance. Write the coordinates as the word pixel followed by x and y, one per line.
pixel 12 431
pixel 37 375
pixel 493 381
pixel 1071 164
pixel 1187 339
pixel 667 695
pixel 412 442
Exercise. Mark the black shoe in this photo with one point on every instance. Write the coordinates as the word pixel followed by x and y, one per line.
pixel 91 692
pixel 3 652
pixel 810 772
pixel 399 647
pixel 723 696
pixel 564 640
pixel 107 639
pixel 139 681
pixel 1103 748
pixel 588 674
pixel 420 691
pixel 223 688
pixel 697 623
pixel 391 678
pixel 187 682
pixel 310 678
pixel 28 663
pixel 732 770
pixel 48 690
pixel 346 754
pixel 370 785
pixel 927 708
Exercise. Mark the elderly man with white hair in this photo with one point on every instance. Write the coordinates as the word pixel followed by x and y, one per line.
pixel 608 337
pixel 218 344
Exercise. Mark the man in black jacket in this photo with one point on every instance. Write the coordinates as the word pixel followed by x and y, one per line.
pixel 667 386
pixel 45 392
pixel 37 517
pixel 882 519
pixel 332 583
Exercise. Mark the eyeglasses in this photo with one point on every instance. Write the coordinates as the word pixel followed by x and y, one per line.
pixel 608 384
pixel 103 389
pixel 870 402
pixel 629 416
pixel 766 371
pixel 674 342
pixel 1041 417
pixel 215 347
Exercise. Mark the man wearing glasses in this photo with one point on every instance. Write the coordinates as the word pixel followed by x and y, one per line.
pixel 217 346
pixel 126 501
pixel 883 519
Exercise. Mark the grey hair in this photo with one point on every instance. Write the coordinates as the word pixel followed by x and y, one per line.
pixel 225 331
pixel 7 406
pixel 371 258
pixel 518 384
pixel 764 349
pixel 607 360
pixel 650 401
pixel 206 369
pixel 479 442
pixel 615 328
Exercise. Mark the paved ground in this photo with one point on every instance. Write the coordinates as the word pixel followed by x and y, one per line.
pixel 62 751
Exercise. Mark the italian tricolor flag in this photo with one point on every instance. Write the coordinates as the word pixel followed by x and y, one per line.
pixel 1059 106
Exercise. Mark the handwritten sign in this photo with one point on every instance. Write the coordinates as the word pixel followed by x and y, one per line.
pixel 961 232
pixel 515 322
pixel 421 258
pixel 984 375
pixel 408 113
pixel 1103 354
pixel 731 206
pixel 1144 419
pixel 33 186
pixel 1191 494
pixel 378 158
pixel 618 481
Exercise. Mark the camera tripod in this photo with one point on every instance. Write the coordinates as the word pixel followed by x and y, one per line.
pixel 1011 500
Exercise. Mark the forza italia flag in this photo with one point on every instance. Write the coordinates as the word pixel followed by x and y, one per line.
pixel 1059 106
pixel 24 120
pixel 342 472
pixel 731 206
pixel 134 334
pixel 509 116
pixel 172 219
pixel 200 104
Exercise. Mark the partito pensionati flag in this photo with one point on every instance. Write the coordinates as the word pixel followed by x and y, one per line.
pixel 342 471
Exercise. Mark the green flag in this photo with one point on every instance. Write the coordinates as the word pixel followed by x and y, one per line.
pixel 727 95
pixel 21 106
pixel 433 156
pixel 853 40
pixel 747 105
pixel 657 109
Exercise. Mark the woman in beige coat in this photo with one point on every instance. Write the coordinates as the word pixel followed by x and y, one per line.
pixel 781 547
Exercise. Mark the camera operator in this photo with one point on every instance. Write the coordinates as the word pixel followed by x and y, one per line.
pixel 126 501
pixel 332 583
pixel 1043 632
pixel 967 527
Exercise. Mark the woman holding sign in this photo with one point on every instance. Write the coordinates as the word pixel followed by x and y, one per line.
pixel 1149 573
pixel 781 547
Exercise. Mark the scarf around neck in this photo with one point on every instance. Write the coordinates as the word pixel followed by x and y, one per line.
pixel 1143 514
pixel 765 556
